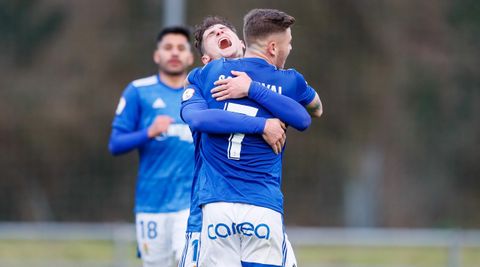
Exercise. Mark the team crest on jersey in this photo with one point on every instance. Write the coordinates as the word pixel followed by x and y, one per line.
pixel 187 94
pixel 159 103
pixel 121 106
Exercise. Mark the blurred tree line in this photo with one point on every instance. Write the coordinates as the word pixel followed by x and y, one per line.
pixel 398 145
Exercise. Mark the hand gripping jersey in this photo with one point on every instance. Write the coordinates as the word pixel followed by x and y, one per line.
pixel 167 161
pixel 242 168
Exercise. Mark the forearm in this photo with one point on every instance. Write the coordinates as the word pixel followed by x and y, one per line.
pixel 284 108
pixel 315 108
pixel 219 121
pixel 121 142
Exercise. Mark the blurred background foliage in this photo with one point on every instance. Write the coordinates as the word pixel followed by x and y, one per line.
pixel 397 146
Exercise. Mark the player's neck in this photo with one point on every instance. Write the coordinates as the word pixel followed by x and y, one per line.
pixel 256 52
pixel 174 81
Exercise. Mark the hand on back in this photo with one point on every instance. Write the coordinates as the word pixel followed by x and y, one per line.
pixel 274 134
pixel 232 88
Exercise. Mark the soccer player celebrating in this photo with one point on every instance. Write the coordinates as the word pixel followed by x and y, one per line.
pixel 239 177
pixel 212 30
pixel 147 118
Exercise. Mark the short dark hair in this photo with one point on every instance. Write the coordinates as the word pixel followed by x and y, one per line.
pixel 259 23
pixel 208 22
pixel 173 30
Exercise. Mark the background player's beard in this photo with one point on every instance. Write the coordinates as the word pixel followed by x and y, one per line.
pixel 173 72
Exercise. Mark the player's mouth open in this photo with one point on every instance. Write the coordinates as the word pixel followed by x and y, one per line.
pixel 224 43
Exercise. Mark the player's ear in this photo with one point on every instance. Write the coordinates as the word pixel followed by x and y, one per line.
pixel 156 56
pixel 205 59
pixel 272 48
pixel 243 45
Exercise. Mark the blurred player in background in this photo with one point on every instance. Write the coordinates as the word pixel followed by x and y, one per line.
pixel 147 118
pixel 216 38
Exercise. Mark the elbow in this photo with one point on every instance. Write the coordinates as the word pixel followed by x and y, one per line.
pixel 315 108
pixel 114 150
pixel 191 121
pixel 305 123
pixel 318 113
pixel 194 124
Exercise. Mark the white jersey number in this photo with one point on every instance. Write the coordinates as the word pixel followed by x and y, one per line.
pixel 235 140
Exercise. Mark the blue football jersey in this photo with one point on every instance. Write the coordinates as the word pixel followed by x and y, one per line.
pixel 242 168
pixel 195 217
pixel 167 161
pixel 194 223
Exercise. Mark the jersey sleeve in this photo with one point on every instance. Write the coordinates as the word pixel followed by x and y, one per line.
pixel 128 111
pixel 199 117
pixel 122 142
pixel 192 92
pixel 125 136
pixel 304 93
pixel 193 76
pixel 192 95
pixel 282 107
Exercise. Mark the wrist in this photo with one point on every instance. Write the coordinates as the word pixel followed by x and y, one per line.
pixel 249 84
pixel 262 126
pixel 150 132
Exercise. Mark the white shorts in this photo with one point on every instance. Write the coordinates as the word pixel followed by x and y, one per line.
pixel 290 259
pixel 192 249
pixel 160 237
pixel 235 235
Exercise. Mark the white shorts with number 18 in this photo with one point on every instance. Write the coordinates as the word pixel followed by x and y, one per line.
pixel 160 237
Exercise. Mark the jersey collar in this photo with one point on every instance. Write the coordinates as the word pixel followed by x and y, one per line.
pixel 258 60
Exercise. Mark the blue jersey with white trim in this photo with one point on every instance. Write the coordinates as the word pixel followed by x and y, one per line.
pixel 166 161
pixel 243 168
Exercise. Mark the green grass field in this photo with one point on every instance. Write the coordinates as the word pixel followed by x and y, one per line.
pixel 98 253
